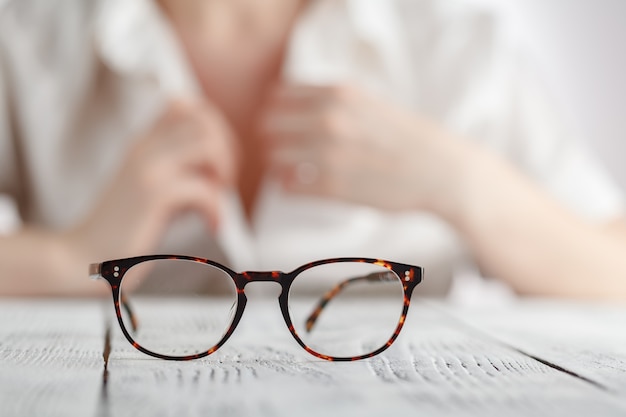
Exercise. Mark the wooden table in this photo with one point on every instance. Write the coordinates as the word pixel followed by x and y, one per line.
pixel 530 357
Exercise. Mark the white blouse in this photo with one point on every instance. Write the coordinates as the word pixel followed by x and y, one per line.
pixel 79 79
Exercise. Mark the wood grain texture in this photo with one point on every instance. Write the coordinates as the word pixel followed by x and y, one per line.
pixel 586 339
pixel 50 357
pixel 436 367
pixel 51 364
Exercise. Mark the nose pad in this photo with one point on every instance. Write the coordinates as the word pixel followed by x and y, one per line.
pixel 263 290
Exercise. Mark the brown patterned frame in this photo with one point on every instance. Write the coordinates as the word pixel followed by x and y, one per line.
pixel 113 272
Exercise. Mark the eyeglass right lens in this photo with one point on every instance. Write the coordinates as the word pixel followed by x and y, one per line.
pixel 181 307
pixel 346 309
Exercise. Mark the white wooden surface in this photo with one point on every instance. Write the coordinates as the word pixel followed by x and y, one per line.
pixel 588 340
pixel 531 358
pixel 50 357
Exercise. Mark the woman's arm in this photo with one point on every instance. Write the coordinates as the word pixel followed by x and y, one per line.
pixel 371 152
pixel 182 163
pixel 36 262
pixel 522 235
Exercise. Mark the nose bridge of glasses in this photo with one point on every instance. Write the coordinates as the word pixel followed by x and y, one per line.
pixel 262 276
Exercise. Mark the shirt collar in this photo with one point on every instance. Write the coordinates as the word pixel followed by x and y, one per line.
pixel 333 41
pixel 133 37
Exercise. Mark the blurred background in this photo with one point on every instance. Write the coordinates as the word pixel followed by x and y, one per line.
pixel 578 49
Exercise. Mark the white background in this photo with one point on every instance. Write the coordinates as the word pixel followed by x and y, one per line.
pixel 580 48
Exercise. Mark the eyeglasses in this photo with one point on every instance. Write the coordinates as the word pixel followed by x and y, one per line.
pixel 340 309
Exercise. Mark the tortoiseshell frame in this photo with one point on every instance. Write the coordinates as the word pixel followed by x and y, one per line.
pixel 113 271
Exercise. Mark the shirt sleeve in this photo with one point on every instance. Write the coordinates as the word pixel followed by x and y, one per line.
pixel 9 218
pixel 8 159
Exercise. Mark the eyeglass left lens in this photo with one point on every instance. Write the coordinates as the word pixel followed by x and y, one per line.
pixel 181 307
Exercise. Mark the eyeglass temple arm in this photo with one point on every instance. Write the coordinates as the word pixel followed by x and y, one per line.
pixel 385 276
pixel 95 272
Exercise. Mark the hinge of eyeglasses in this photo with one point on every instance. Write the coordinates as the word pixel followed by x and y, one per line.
pixel 95 271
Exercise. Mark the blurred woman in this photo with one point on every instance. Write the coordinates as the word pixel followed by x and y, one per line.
pixel 269 134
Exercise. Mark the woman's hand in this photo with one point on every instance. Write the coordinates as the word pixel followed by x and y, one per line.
pixel 182 163
pixel 353 146
pixel 339 141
